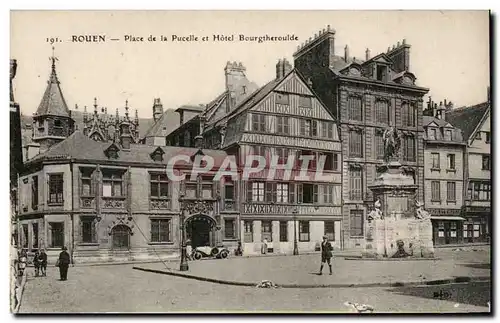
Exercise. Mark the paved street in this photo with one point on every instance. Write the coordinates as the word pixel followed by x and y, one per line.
pixel 120 288
pixel 303 269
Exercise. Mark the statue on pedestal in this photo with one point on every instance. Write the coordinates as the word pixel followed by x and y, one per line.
pixel 392 144
pixel 421 213
pixel 376 214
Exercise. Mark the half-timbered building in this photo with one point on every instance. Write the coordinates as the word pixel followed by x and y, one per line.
pixel 283 119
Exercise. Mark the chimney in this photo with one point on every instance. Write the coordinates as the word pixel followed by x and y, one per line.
pixel 368 56
pixel 125 136
pixel 198 142
pixel 283 67
pixel 157 109
pixel 181 117
pixel 346 53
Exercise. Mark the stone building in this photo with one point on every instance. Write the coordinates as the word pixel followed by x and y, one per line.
pixel 444 154
pixel 475 123
pixel 366 96
pixel 283 119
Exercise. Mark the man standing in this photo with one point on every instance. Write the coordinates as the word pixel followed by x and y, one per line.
pixel 326 254
pixel 63 263
pixel 43 262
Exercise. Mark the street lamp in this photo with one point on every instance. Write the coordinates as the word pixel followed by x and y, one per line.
pixel 184 264
pixel 295 245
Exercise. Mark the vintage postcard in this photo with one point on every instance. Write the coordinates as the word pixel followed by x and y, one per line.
pixel 250 162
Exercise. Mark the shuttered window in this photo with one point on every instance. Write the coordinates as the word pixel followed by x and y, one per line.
pixel 355 108
pixel 435 191
pixel 382 111
pixel 355 143
pixel 355 185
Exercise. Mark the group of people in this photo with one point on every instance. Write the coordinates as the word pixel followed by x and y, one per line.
pixel 40 263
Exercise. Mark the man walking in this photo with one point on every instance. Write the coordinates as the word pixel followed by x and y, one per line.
pixel 326 254
pixel 63 263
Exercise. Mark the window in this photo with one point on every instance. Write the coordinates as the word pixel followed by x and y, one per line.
pixel 355 143
pixel 267 231
pixel 159 185
pixel 56 232
pixel 34 193
pixel 282 98
pixel 408 114
pixel 57 123
pixel 314 128
pixel 112 183
pixel 356 223
pixel 308 193
pixel 282 155
pixel 191 190
pixel 283 231
pixel 435 161
pixel 248 231
pixel 305 101
pixel 282 193
pixel 160 230
pixel 229 229
pixel 379 145
pixel 480 191
pixel 355 185
pixel 35 235
pixel 448 135
pixel 283 125
pixel 354 108
pixel 382 111
pixel 257 192
pixel 270 192
pixel 328 194
pixel 478 136
pixel 86 181
pixel 327 130
pixel 435 191
pixel 328 163
pixel 432 134
pixel 305 127
pixel 25 236
pixel 207 187
pixel 451 192
pixel 88 229
pixel 381 73
pixel 486 162
pixel 258 122
pixel 409 148
pixel 56 188
pixel 309 162
pixel 228 190
pixel 336 162
pixel 451 161
pixel 330 230
pixel 487 134
pixel 304 231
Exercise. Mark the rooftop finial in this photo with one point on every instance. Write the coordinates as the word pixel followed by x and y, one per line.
pixel 404 41
pixel 328 27
pixel 126 109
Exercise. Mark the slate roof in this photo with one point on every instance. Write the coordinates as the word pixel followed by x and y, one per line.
pixel 53 102
pixel 72 147
pixel 427 120
pixel 467 118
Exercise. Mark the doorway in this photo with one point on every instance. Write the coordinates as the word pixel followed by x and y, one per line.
pixel 199 232
pixel 121 237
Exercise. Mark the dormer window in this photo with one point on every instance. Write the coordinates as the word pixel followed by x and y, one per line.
pixel 157 155
pixel 112 151
pixel 381 73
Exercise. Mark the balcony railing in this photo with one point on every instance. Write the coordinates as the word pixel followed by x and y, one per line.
pixel 113 202
pixel 287 209
pixel 160 204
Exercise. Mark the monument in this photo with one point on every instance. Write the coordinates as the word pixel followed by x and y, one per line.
pixel 398 227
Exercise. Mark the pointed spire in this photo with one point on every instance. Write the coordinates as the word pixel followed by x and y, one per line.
pixel 117 120
pixel 136 118
pixel 95 106
pixel 126 110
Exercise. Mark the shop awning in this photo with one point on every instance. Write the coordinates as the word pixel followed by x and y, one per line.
pixel 449 218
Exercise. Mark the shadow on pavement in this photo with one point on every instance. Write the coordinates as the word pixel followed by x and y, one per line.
pixel 478 266
pixel 477 294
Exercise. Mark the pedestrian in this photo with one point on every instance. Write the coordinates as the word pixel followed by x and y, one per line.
pixel 239 250
pixel 189 250
pixel 264 247
pixel 43 262
pixel 36 263
pixel 326 254
pixel 63 263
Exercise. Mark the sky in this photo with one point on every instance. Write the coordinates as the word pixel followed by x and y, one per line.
pixel 449 52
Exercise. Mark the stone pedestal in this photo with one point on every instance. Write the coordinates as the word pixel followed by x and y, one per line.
pixel 396 192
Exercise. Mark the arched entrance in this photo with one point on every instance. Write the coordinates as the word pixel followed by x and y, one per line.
pixel 121 237
pixel 200 230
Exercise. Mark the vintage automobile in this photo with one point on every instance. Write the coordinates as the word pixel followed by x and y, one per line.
pixel 207 251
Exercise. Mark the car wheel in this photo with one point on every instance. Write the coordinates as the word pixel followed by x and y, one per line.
pixel 214 252
pixel 223 254
pixel 197 256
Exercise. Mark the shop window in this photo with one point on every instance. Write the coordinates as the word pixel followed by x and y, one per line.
pixel 229 229
pixel 283 231
pixel 248 231
pixel 304 231
pixel 267 231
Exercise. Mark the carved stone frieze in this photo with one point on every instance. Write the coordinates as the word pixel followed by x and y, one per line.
pixel 159 204
pixel 113 203
pixel 198 206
